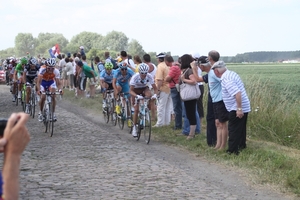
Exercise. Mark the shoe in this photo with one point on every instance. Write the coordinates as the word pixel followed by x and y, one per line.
pixel 13 99
pixel 134 134
pixel 19 95
pixel 118 109
pixel 27 109
pixel 104 105
pixel 156 125
pixel 40 117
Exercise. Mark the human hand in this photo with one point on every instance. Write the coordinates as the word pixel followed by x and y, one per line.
pixel 16 134
pixel 3 142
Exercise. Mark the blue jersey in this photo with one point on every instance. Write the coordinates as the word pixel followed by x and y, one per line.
pixel 107 77
pixel 123 79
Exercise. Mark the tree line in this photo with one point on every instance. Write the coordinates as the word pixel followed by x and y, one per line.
pixel 94 44
pixel 263 56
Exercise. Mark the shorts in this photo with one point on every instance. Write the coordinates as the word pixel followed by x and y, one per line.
pixel 92 82
pixel 47 84
pixel 82 83
pixel 64 75
pixel 30 79
pixel 140 91
pixel 220 111
pixel 110 86
pixel 125 87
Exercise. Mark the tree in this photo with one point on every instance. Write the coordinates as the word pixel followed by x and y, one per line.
pixel 45 41
pixel 86 39
pixel 24 42
pixel 134 48
pixel 115 41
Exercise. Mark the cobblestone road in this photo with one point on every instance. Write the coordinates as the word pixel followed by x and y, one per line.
pixel 86 159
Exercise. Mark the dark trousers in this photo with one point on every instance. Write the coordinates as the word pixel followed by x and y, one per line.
pixel 236 132
pixel 211 131
pixel 200 102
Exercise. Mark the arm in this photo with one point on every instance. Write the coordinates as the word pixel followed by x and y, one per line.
pixel 17 136
pixel 191 79
pixel 195 72
pixel 131 92
pixel 168 78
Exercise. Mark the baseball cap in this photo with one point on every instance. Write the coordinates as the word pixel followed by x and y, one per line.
pixel 219 64
pixel 81 47
pixel 161 55
pixel 195 55
pixel 80 63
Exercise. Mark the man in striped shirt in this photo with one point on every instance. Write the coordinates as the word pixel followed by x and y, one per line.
pixel 237 104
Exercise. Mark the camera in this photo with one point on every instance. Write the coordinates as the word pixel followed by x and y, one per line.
pixel 3 123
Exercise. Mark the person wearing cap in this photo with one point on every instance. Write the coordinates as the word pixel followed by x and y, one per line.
pixel 81 51
pixel 237 104
pixel 220 112
pixel 164 99
pixel 89 73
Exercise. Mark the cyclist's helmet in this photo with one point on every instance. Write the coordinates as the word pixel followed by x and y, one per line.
pixel 32 61
pixel 51 62
pixel 13 60
pixel 123 65
pixel 23 61
pixel 143 68
pixel 108 65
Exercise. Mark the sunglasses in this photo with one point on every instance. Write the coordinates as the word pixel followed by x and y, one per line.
pixel 124 69
pixel 143 73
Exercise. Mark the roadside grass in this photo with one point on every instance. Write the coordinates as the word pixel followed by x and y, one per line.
pixel 265 161
pixel 272 156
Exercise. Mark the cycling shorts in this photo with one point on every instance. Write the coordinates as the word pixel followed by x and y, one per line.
pixel 47 84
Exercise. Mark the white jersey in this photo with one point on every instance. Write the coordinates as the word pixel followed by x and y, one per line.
pixel 138 82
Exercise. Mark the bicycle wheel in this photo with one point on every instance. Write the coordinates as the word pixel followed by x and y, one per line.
pixel 147 125
pixel 129 115
pixel 32 104
pixel 139 128
pixel 17 99
pixel 46 118
pixel 114 116
pixel 107 112
pixel 23 100
pixel 51 121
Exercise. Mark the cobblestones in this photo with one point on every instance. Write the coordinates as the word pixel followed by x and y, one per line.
pixel 88 160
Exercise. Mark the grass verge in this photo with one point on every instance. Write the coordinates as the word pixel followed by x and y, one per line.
pixel 264 163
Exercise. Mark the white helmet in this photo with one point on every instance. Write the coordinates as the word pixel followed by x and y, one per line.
pixel 51 62
pixel 143 68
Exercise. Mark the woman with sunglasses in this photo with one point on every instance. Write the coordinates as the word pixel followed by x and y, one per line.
pixel 139 88
pixel 49 77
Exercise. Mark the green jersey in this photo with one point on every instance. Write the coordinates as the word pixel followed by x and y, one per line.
pixel 88 71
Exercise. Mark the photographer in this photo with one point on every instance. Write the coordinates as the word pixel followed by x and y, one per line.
pixel 13 143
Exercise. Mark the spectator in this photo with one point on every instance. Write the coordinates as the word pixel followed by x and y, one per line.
pixel 99 64
pixel 70 72
pixel 109 59
pixel 81 51
pixel 88 73
pixel 164 99
pixel 200 109
pixel 127 60
pixel 137 61
pixel 190 106
pixel 211 132
pixel 173 78
pixel 152 71
pixel 237 104
pixel 15 139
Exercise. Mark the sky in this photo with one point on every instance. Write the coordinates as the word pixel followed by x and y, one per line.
pixel 179 26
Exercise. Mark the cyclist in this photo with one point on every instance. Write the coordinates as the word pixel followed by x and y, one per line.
pixel 121 79
pixel 139 88
pixel 48 77
pixel 18 75
pixel 30 75
pixel 106 77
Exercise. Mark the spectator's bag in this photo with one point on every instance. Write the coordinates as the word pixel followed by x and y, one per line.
pixel 189 92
